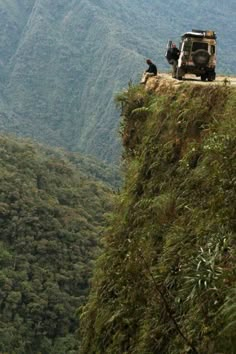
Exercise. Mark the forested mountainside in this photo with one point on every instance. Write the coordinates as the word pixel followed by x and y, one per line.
pixel 166 282
pixel 51 215
pixel 61 62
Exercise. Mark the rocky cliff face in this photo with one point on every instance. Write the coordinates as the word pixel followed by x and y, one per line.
pixel 166 281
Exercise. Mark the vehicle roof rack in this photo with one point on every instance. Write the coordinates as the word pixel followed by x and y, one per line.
pixel 200 34
pixel 206 33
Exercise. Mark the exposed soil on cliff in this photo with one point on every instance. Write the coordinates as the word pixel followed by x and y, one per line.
pixel 193 79
pixel 165 80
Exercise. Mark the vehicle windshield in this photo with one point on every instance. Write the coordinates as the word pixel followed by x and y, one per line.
pixel 199 45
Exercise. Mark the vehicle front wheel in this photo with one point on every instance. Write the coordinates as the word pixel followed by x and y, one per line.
pixel 179 74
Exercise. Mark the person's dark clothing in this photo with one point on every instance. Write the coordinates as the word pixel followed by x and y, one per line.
pixel 152 69
pixel 173 53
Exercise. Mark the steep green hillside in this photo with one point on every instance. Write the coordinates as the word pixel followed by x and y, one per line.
pixel 50 217
pixel 166 282
pixel 61 62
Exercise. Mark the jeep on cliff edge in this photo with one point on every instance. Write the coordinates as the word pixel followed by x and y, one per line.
pixel 197 55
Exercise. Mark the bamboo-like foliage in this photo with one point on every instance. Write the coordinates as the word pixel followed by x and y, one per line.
pixel 165 281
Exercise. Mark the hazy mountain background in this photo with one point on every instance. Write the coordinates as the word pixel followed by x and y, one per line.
pixel 61 62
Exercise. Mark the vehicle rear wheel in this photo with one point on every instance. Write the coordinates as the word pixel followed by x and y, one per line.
pixel 211 76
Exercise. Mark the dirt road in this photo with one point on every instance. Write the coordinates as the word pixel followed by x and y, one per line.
pixel 193 79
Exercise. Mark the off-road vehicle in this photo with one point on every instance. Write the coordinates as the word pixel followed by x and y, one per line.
pixel 197 55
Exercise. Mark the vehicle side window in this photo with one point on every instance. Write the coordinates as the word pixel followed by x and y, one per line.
pixel 213 49
pixel 199 45
pixel 187 46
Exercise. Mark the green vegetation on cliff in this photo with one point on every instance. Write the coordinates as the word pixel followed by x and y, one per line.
pixel 51 214
pixel 166 281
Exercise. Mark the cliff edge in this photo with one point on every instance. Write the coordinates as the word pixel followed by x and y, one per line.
pixel 166 282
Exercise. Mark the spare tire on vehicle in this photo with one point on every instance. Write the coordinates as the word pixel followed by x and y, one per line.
pixel 201 57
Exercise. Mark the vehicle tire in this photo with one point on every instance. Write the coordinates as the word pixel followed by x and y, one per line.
pixel 203 77
pixel 179 74
pixel 211 76
pixel 201 57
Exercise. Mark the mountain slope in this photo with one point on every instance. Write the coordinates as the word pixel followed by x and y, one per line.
pixel 166 280
pixel 51 214
pixel 63 61
pixel 14 16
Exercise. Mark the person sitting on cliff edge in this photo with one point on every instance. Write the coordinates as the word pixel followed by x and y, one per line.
pixel 151 71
